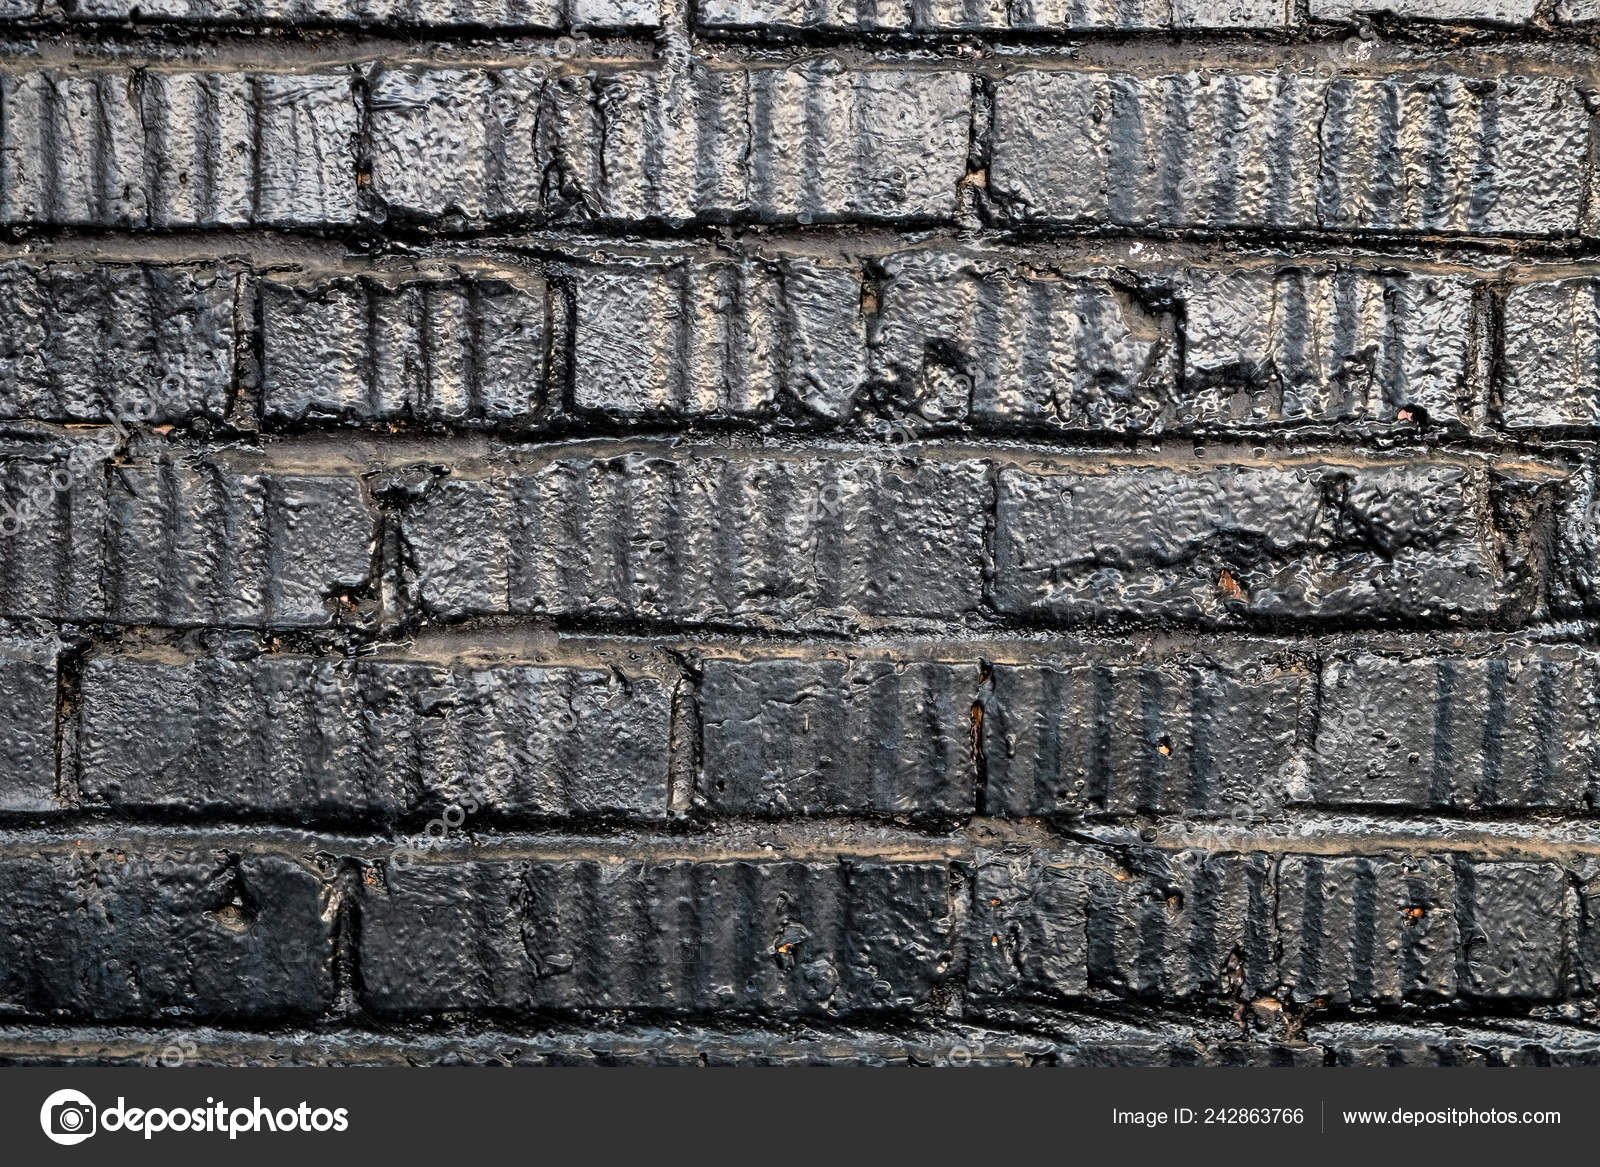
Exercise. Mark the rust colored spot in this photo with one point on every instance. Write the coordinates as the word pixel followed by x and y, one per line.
pixel 1404 415
pixel 1415 913
pixel 1230 588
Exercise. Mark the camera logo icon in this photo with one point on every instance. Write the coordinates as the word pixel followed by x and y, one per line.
pixel 68 1117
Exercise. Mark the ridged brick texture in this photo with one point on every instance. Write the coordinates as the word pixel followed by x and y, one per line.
pixel 787 532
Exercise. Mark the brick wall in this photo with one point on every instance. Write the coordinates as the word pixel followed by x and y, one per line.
pixel 784 531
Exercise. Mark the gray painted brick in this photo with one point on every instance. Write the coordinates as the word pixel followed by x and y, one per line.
pixel 162 149
pixel 803 737
pixel 704 538
pixel 28 696
pixel 695 337
pixel 1455 11
pixel 150 934
pixel 950 16
pixel 678 935
pixel 1211 545
pixel 1515 929
pixel 318 737
pixel 967 337
pixel 1080 735
pixel 643 144
pixel 1552 354
pixel 465 350
pixel 499 14
pixel 88 342
pixel 1330 344
pixel 1290 150
pixel 156 542
pixel 1378 929
pixel 1512 729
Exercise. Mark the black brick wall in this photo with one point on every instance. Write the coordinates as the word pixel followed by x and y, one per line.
pixel 780 531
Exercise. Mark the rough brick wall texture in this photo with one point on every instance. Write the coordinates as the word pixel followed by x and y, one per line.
pixel 784 531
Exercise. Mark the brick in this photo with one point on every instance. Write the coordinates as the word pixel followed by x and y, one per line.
pixel 150 934
pixel 1379 543
pixel 157 542
pixel 498 14
pixel 803 737
pixel 1512 729
pixel 1328 345
pixel 1185 924
pixel 1370 930
pixel 1030 927
pixel 1503 1042
pixel 1513 926
pixel 1551 354
pixel 948 16
pixel 332 737
pixel 704 538
pixel 28 697
pixel 1103 736
pixel 676 935
pixel 1424 152
pixel 1454 11
pixel 641 144
pixel 467 350
pixel 693 337
pixel 962 337
pixel 1060 925
pixel 86 342
pixel 156 148
pixel 1231 13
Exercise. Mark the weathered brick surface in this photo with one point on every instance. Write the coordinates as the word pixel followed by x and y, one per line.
pixel 669 934
pixel 947 17
pixel 499 14
pixel 711 538
pixel 122 934
pixel 28 706
pixel 1401 541
pixel 772 531
pixel 164 542
pixel 1430 152
pixel 88 342
pixel 786 737
pixel 697 337
pixel 159 148
pixel 1329 345
pixel 468 350
pixel 1511 729
pixel 638 144
pixel 370 738
pixel 1361 928
pixel 1086 736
